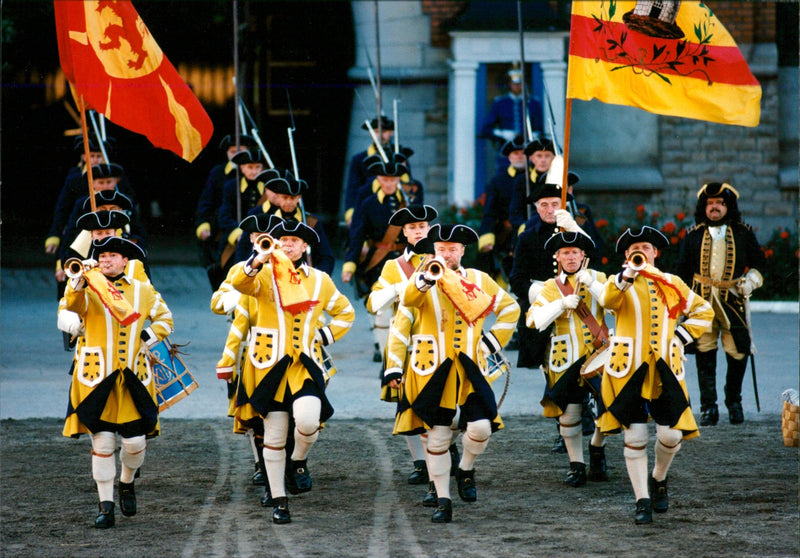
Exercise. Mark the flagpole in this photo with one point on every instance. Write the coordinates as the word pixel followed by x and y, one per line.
pixel 525 136
pixel 85 130
pixel 567 121
pixel 236 108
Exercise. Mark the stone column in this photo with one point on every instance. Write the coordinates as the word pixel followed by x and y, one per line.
pixel 461 144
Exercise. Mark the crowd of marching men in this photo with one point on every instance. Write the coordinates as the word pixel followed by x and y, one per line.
pixel 269 264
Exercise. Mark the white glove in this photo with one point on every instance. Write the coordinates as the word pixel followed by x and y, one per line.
pixel 507 135
pixel 570 302
pixel 70 322
pixel 565 221
pixel 682 349
pixel 484 348
pixel 629 273
pixel 89 263
pixel 229 300
pixel 77 283
pixel 750 282
pixel 585 277
pixel 261 258
pixel 534 290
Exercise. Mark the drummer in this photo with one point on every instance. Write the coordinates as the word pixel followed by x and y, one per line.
pixel 570 301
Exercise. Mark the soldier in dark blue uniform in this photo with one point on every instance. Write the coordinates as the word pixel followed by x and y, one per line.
pixel 357 174
pixel 287 192
pixel 505 119
pixel 372 240
pixel 540 154
pixel 495 245
pixel 208 206
pixel 250 192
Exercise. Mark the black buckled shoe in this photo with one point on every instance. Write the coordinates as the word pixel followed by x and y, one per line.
pixel 266 499
pixel 736 413
pixel 644 512
pixel 127 499
pixel 280 510
pixel 658 494
pixel 444 511
pixel 558 445
pixel 465 480
pixel 455 459
pixel 259 476
pixel 420 474
pixel 709 416
pixel 577 474
pixel 431 499
pixel 105 518
pixel 301 477
pixel 598 469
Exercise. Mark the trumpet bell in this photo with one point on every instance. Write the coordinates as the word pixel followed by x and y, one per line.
pixel 637 261
pixel 434 268
pixel 73 268
pixel 264 244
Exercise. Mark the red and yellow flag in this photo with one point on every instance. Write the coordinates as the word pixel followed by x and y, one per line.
pixel 673 58
pixel 111 59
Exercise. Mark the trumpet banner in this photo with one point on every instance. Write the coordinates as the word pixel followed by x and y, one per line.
pixel 671 58
pixel 111 59
pixel 111 298
pixel 470 301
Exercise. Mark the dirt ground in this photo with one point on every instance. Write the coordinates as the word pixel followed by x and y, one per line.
pixel 734 492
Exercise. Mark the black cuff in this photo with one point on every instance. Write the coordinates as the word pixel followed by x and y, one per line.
pixel 389 377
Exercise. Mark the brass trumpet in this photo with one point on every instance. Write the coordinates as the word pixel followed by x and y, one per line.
pixel 434 268
pixel 73 268
pixel 637 260
pixel 264 244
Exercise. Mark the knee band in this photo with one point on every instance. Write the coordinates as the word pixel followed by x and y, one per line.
pixel 274 455
pixel 276 428
pixel 669 438
pixel 570 421
pixel 635 440
pixel 476 437
pixel 104 466
pixel 306 412
pixel 439 440
pixel 133 450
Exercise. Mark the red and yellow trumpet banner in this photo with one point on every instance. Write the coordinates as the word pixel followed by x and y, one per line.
pixel 667 57
pixel 111 59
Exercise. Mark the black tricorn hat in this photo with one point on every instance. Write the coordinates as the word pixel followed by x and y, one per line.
pixel 452 233
pixel 108 197
pixel 566 239
pixel 546 190
pixel 249 156
pixel 107 170
pixel 718 190
pixel 103 219
pixel 542 144
pixel 413 214
pixel 261 223
pixel 394 167
pixel 286 184
pixel 644 234
pixel 109 143
pixel 386 124
pixel 295 228
pixel 230 140
pixel 118 245
pixel 516 144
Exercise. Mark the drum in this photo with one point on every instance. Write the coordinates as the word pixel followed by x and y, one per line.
pixel 592 369
pixel 173 379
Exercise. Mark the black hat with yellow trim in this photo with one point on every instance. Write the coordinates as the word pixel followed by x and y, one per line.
pixel 261 223
pixel 566 239
pixel 386 124
pixel 295 228
pixel 108 197
pixel 249 156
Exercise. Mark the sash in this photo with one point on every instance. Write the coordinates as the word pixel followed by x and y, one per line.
pixel 598 331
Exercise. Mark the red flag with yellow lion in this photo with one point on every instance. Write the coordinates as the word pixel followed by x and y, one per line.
pixel 111 59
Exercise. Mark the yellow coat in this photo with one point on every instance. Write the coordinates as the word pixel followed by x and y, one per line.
pixel 646 335
pixel 571 339
pixel 276 333
pixel 427 331
pixel 108 350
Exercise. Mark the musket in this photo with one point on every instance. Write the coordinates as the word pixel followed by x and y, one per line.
pixel 100 136
pixel 290 132
pixel 746 304
pixel 243 112
pixel 526 135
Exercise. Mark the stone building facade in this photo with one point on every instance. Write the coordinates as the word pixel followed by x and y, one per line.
pixel 621 153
